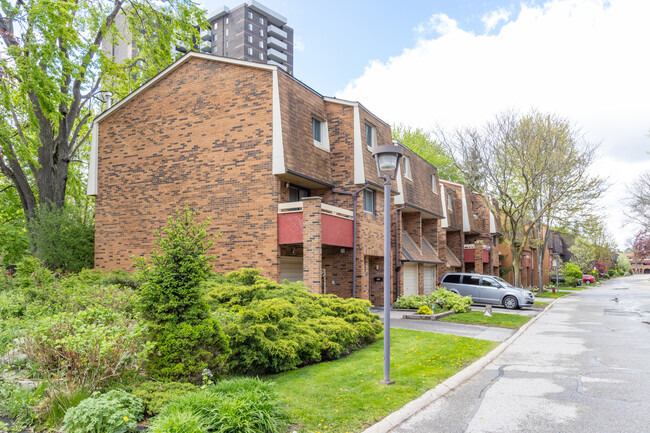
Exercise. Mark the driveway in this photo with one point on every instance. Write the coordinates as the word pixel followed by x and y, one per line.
pixel 583 366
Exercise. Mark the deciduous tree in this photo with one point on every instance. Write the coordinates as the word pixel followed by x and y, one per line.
pixel 54 76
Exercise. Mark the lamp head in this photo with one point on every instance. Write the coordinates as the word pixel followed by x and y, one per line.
pixel 387 159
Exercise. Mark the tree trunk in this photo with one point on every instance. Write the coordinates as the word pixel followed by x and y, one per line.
pixel 515 265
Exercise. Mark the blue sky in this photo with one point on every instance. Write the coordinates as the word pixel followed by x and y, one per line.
pixel 445 64
pixel 335 40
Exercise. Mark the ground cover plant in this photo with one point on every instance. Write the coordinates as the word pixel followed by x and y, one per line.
pixel 345 395
pixel 277 327
pixel 479 318
pixel 246 405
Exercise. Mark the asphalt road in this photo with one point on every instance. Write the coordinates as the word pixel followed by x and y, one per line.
pixel 584 366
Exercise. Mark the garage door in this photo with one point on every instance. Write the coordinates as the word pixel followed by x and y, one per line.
pixel 410 279
pixel 429 278
pixel 291 269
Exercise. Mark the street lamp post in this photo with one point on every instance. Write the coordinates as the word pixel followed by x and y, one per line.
pixel 387 158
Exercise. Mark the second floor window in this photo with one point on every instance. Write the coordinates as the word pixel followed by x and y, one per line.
pixel 450 203
pixel 316 127
pixel 407 168
pixel 370 136
pixel 369 201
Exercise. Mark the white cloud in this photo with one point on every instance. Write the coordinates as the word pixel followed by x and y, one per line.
pixel 493 18
pixel 582 59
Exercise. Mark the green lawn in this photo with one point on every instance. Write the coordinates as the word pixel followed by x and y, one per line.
pixel 497 319
pixel 345 395
pixel 551 294
pixel 541 304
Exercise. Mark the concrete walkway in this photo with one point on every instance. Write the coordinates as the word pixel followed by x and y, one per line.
pixel 490 333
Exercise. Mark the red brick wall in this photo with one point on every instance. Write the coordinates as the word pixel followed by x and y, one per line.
pixel 312 244
pixel 205 142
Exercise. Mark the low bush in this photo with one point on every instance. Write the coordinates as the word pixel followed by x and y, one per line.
pixel 18 402
pixel 413 302
pixel 116 411
pixel 155 395
pixel 425 310
pixel 277 327
pixel 449 300
pixel 88 347
pixel 243 405
pixel 57 400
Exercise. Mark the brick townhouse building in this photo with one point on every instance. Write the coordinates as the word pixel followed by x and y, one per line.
pixel 286 175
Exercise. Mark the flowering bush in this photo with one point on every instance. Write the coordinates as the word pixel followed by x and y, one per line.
pixel 425 310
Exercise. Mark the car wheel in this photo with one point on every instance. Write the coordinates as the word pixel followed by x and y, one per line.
pixel 510 302
pixel 588 282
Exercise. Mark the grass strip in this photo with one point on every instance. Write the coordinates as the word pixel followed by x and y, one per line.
pixel 541 304
pixel 557 294
pixel 497 319
pixel 345 395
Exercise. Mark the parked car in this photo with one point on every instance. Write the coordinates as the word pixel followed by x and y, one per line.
pixel 588 279
pixel 488 289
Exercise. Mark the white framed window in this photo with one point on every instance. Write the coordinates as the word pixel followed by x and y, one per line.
pixel 371 136
pixel 261 21
pixel 226 20
pixel 215 37
pixel 450 202
pixel 250 39
pixel 261 56
pixel 226 44
pixel 434 184
pixel 226 32
pixel 319 133
pixel 250 51
pixel 261 32
pixel 407 168
pixel 250 15
pixel 216 26
pixel 369 201
pixel 250 27
pixel 262 44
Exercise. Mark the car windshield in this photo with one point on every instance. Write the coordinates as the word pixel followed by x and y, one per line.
pixel 503 282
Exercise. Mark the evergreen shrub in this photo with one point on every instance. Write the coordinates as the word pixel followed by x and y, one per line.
pixel 277 327
pixel 187 338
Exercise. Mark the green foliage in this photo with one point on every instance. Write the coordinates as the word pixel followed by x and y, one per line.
pixel 424 145
pixel 188 339
pixel 623 262
pixel 584 254
pixel 243 405
pixel 277 327
pixel 413 302
pixel 63 238
pixel 14 242
pixel 116 411
pixel 18 402
pixel 425 310
pixel 611 272
pixel 572 273
pixel 58 399
pixel 155 395
pixel 88 347
pixel 449 300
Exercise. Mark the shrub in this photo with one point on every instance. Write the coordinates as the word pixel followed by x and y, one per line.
pixel 572 273
pixel 18 402
pixel 449 300
pixel 277 327
pixel 243 405
pixel 412 302
pixel 155 395
pixel 63 238
pixel 611 272
pixel 58 399
pixel 425 310
pixel 114 412
pixel 88 347
pixel 188 339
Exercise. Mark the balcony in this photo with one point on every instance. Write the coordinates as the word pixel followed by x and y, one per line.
pixel 279 65
pixel 276 43
pixel 276 31
pixel 206 35
pixel 335 223
pixel 276 55
pixel 206 47
pixel 469 253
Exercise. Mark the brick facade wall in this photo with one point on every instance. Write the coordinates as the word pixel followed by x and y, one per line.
pixel 203 142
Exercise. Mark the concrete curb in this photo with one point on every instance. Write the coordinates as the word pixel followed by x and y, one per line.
pixel 428 316
pixel 410 409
